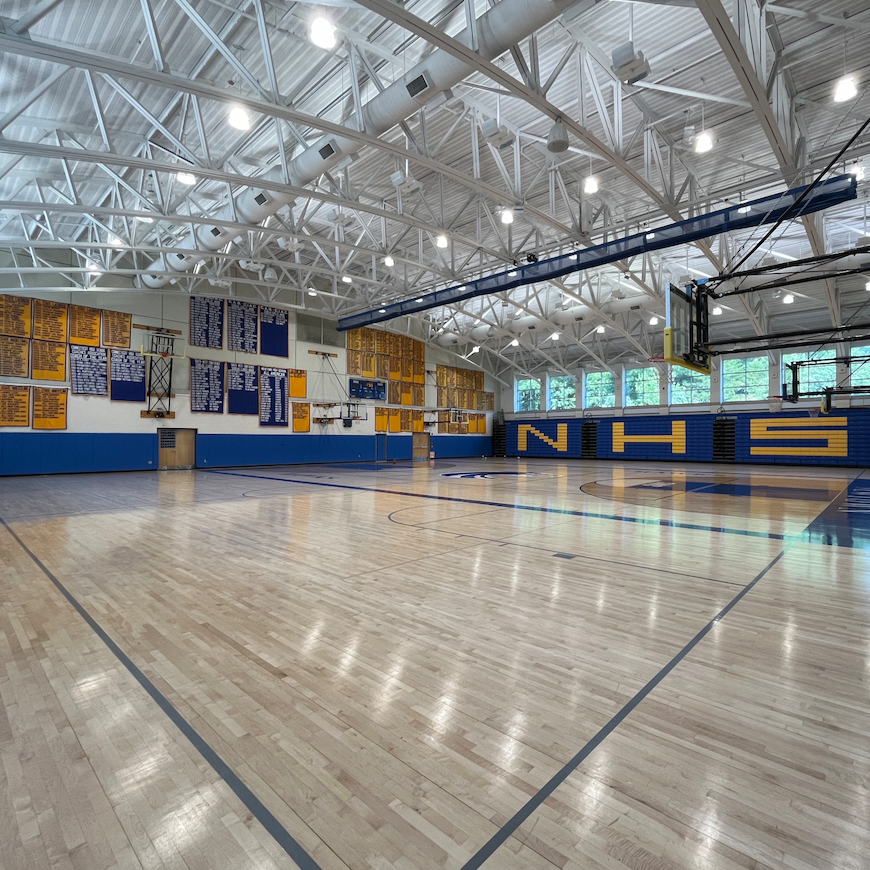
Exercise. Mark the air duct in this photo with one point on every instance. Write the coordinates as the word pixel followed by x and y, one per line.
pixel 497 30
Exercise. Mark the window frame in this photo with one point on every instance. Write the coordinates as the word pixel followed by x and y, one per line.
pixel 550 379
pixel 585 390
pixel 517 382
pixel 658 387
pixel 723 377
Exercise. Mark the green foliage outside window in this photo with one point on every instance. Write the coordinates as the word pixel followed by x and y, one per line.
pixel 641 387
pixel 528 395
pixel 563 393
pixel 688 387
pixel 600 390
pixel 860 370
pixel 745 380
pixel 812 378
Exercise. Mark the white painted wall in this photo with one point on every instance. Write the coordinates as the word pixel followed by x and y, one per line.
pixel 100 414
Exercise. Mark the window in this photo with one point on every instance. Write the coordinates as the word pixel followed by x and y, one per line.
pixel 528 395
pixel 562 393
pixel 641 387
pixel 860 370
pixel 745 380
pixel 600 391
pixel 812 378
pixel 688 387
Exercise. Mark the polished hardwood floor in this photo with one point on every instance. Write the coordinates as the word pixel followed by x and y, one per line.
pixel 561 665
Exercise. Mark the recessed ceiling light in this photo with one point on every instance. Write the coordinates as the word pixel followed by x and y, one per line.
pixel 312 291
pixel 239 118
pixel 347 279
pixel 788 299
pixel 554 336
pixel 653 321
pixel 846 89
pixel 703 142
pixel 389 261
pixel 716 311
pixel 600 329
pixel 441 241
pixel 515 343
pixel 322 33
pixel 186 178
pixel 507 216
pixel 590 185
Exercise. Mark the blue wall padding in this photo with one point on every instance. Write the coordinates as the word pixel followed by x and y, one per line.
pixel 840 438
pixel 57 452
pixel 64 452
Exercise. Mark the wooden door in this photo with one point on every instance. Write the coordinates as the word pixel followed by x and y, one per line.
pixel 177 448
pixel 420 446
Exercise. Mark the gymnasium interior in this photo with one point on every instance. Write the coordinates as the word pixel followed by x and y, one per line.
pixel 434 435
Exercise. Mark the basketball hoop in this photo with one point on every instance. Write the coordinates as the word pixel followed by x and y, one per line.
pixel 774 403
pixel 814 412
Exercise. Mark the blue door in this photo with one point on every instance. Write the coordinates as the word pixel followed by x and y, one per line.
pixel 380 446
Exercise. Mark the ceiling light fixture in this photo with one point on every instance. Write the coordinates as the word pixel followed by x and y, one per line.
pixel 239 118
pixel 347 279
pixel 845 90
pixel 590 185
pixel 600 329
pixel 515 343
pixel 653 321
pixel 441 241
pixel 554 336
pixel 145 220
pixel 716 311
pixel 507 216
pixel 703 142
pixel 512 273
pixel 312 291
pixel 389 261
pixel 867 286
pixel 475 349
pixel 650 236
pixel 788 299
pixel 382 311
pixel 115 242
pixel 270 274
pixel 186 178
pixel 322 33
pixel 858 171
pixel 744 209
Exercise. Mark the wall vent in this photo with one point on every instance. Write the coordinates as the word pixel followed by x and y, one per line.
pixel 167 439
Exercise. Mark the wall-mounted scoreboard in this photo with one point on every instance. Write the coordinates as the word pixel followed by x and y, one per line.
pixel 363 389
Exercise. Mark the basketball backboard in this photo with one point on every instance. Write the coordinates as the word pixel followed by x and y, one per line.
pixel 687 330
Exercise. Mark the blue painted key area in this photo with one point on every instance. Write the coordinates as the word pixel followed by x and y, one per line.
pixel 846 521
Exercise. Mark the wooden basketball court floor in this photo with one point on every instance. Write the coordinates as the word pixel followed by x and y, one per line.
pixel 493 663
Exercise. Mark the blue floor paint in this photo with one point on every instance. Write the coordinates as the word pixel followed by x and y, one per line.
pixel 738 490
pixel 846 521
pixel 772 536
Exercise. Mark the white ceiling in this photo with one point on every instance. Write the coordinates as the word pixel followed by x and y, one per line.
pixel 100 109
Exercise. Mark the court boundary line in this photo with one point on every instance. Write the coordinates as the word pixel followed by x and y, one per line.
pixel 747 533
pixel 252 803
pixel 485 852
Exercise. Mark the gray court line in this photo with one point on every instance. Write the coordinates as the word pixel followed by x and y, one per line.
pixel 509 543
pixel 278 832
pixel 509 829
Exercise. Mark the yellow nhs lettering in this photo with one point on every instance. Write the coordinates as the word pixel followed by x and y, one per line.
pixel 833 431
pixel 677 438
pixel 561 442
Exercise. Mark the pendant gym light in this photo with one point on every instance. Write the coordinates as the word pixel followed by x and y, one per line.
pixel 322 33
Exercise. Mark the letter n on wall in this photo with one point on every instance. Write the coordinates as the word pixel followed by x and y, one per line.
pixel 561 442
